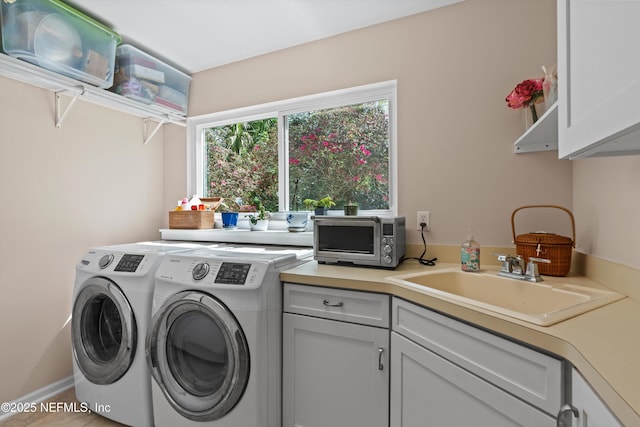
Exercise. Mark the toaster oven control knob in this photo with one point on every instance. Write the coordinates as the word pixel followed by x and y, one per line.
pixel 200 271
pixel 387 249
pixel 105 261
pixel 387 259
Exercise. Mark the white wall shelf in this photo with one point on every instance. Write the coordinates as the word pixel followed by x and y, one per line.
pixel 542 135
pixel 61 85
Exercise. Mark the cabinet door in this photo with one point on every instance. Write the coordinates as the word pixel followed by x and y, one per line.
pixel 592 412
pixel 528 374
pixel 429 390
pixel 334 373
pixel 599 77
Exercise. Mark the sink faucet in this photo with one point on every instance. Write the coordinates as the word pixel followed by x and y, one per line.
pixel 514 267
pixel 511 264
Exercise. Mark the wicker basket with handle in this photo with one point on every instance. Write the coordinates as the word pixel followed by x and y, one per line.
pixel 551 246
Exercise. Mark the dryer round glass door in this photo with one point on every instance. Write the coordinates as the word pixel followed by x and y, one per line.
pixel 198 355
pixel 103 330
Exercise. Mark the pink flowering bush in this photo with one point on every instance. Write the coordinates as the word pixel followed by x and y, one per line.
pixel 343 152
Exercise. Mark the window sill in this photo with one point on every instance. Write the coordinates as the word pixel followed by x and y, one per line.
pixel 269 237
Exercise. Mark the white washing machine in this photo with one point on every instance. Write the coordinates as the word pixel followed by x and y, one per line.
pixel 214 347
pixel 112 301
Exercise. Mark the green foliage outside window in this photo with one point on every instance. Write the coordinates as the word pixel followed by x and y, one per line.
pixel 242 161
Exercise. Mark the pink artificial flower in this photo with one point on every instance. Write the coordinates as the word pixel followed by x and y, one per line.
pixel 293 161
pixel 525 93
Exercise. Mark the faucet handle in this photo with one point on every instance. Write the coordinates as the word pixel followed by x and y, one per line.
pixel 504 257
pixel 501 257
pixel 532 273
pixel 543 260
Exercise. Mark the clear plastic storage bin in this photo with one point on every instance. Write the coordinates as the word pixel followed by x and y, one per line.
pixel 59 38
pixel 144 78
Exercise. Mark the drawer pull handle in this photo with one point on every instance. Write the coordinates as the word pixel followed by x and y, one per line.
pixel 328 304
pixel 380 365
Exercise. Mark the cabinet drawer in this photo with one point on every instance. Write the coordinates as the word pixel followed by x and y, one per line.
pixel 526 373
pixel 337 304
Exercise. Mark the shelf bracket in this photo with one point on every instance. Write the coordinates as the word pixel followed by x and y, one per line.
pixel 58 95
pixel 148 135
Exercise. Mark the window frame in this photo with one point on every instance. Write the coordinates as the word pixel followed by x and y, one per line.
pixel 280 109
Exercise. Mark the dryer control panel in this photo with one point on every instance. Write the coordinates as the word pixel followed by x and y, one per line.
pixel 215 272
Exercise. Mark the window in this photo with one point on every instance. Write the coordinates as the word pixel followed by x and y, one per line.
pixel 340 144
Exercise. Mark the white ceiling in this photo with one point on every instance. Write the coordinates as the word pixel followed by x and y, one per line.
pixel 194 35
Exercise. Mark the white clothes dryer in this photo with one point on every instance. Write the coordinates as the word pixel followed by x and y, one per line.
pixel 214 346
pixel 112 300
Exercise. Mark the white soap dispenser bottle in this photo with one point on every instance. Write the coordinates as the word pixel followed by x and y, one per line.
pixel 470 254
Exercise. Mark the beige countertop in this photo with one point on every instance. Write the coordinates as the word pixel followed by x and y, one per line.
pixel 603 344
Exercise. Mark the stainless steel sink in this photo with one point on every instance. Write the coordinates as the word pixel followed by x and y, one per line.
pixel 544 303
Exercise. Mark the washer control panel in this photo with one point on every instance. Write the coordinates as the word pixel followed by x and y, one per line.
pixel 105 262
pixel 129 263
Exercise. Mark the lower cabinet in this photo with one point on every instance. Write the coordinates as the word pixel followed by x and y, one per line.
pixel 429 390
pixel 335 373
pixel 587 408
pixel 340 347
pixel 451 373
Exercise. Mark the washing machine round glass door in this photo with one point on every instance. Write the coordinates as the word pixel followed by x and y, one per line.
pixel 198 355
pixel 103 330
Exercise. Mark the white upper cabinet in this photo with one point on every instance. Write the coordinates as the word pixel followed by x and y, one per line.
pixel 598 78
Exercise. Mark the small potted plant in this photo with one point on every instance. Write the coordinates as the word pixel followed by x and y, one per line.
pixel 351 209
pixel 320 206
pixel 229 214
pixel 259 220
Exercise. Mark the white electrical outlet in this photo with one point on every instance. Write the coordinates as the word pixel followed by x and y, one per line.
pixel 424 217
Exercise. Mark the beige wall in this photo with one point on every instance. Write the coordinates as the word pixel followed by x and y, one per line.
pixel 606 200
pixel 91 182
pixel 454 67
